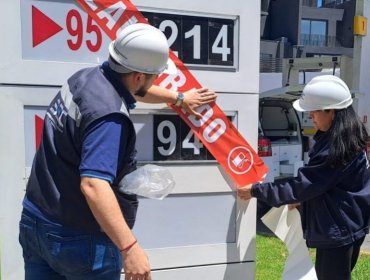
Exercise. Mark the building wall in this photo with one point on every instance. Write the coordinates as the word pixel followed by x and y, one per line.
pixel 331 16
pixel 345 27
pixel 284 20
pixel 281 28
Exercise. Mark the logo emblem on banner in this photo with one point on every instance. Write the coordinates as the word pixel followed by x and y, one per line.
pixel 214 129
pixel 240 160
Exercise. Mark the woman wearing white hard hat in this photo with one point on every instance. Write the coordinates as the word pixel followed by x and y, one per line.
pixel 334 187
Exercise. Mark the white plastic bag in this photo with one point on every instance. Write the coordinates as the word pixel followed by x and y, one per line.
pixel 151 181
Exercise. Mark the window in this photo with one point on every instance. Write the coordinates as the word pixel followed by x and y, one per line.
pixel 332 3
pixel 312 3
pixel 313 32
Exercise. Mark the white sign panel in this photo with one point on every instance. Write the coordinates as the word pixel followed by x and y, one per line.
pixel 44 42
pixel 61 31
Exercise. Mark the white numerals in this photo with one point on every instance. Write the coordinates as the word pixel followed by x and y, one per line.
pixel 195 33
pixel 221 39
pixel 174 31
pixel 196 145
pixel 171 139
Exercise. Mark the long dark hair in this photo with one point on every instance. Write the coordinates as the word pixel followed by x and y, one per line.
pixel 348 137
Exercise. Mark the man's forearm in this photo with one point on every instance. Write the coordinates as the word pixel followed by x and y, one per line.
pixel 156 94
pixel 105 208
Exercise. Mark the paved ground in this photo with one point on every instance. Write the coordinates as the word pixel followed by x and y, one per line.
pixel 366 245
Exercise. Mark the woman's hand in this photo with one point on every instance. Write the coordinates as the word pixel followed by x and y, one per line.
pixel 293 206
pixel 245 192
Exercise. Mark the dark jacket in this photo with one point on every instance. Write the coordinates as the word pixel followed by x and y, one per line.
pixel 335 202
pixel 54 183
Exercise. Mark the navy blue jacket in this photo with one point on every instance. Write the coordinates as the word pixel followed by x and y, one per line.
pixel 54 183
pixel 335 202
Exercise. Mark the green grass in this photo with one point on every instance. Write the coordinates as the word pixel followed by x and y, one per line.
pixel 270 258
pixel 362 268
pixel 272 253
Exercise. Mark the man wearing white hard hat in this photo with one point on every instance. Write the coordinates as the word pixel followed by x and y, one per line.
pixel 334 187
pixel 75 223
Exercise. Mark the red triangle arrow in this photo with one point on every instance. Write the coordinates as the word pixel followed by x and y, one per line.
pixel 39 123
pixel 42 27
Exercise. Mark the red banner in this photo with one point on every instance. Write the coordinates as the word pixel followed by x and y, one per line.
pixel 214 129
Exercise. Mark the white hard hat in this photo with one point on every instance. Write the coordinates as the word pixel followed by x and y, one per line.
pixel 322 93
pixel 142 48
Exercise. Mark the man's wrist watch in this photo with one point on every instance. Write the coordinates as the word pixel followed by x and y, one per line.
pixel 180 99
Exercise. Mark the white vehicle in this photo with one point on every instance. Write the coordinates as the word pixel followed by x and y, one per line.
pixel 280 123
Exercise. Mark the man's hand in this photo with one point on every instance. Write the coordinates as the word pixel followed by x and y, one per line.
pixel 245 193
pixel 136 264
pixel 195 98
pixel 192 98
pixel 103 203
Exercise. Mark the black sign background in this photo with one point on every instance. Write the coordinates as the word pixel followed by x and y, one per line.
pixel 182 130
pixel 208 33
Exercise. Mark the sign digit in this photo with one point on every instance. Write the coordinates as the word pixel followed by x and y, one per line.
pixel 171 139
pixel 196 145
pixel 93 28
pixel 174 31
pixel 195 33
pixel 221 38
pixel 75 29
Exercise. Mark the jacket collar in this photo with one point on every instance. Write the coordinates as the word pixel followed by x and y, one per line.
pixel 113 78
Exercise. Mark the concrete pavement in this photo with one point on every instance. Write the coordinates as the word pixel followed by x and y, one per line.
pixel 366 245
